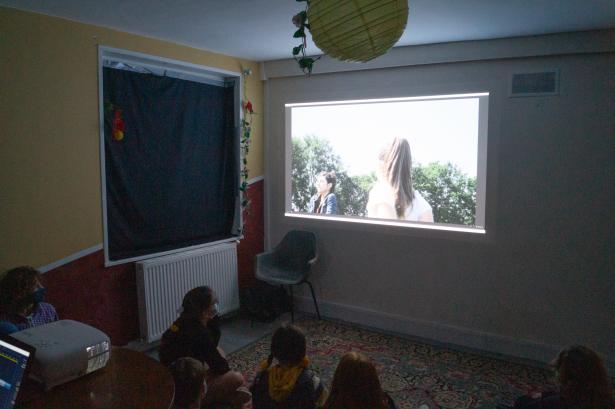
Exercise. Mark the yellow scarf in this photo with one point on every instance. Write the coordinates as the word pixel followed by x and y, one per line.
pixel 282 379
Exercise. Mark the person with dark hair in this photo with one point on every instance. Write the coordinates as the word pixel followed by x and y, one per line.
pixel 289 384
pixel 196 334
pixel 356 385
pixel 21 300
pixel 190 386
pixel 324 201
pixel 583 384
pixel 393 195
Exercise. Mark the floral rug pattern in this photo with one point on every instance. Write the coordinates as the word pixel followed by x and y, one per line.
pixel 414 374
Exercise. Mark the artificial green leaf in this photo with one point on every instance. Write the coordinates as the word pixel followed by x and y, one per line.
pixel 306 62
pixel 297 50
pixel 299 33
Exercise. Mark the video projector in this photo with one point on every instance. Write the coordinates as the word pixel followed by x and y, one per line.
pixel 65 350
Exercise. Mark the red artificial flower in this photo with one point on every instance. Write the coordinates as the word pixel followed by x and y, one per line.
pixel 248 107
pixel 118 125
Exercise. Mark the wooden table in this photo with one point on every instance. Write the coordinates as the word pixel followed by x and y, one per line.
pixel 129 380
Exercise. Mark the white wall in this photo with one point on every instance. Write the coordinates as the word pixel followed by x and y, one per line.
pixel 545 276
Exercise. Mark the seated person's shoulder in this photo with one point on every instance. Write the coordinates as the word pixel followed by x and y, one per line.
pixel 44 313
pixel 48 310
pixel 310 377
pixel 312 385
pixel 380 192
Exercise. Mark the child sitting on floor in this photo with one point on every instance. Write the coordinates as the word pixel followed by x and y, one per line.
pixel 356 385
pixel 289 384
pixel 583 384
pixel 190 387
pixel 196 334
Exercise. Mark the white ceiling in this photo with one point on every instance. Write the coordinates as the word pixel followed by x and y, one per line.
pixel 262 30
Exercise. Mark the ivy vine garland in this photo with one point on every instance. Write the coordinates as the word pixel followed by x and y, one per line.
pixel 245 140
pixel 300 20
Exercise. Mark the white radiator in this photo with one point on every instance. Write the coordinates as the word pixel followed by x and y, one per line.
pixel 162 283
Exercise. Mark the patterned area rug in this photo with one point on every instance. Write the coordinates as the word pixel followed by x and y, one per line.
pixel 414 374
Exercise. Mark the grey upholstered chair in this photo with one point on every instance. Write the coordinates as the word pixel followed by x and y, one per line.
pixel 289 263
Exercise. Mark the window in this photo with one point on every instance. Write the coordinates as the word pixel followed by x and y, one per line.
pixel 414 162
pixel 169 155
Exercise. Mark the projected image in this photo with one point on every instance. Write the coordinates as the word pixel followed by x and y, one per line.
pixel 411 160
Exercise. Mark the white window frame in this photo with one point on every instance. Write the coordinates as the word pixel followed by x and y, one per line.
pixel 181 70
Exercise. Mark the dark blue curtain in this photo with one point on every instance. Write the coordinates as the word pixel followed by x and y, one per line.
pixel 171 182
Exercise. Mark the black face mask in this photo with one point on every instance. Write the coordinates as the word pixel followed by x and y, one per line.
pixel 38 296
pixel 33 298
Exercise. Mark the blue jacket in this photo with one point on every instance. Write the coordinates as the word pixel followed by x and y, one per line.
pixel 328 207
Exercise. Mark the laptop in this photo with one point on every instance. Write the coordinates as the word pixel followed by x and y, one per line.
pixel 15 360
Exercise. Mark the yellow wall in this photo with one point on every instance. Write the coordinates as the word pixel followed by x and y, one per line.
pixel 50 194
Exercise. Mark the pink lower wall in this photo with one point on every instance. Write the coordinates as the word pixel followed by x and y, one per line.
pixel 106 298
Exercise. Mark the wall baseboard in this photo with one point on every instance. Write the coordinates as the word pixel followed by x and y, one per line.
pixel 450 335
pixel 256 179
pixel 72 257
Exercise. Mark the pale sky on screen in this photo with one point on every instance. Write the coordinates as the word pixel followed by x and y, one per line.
pixel 438 130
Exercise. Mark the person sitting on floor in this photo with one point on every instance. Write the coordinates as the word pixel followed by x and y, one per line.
pixel 190 386
pixel 289 384
pixel 356 385
pixel 21 300
pixel 196 334
pixel 583 384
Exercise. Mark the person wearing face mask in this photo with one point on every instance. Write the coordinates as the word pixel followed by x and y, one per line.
pixel 196 334
pixel 21 301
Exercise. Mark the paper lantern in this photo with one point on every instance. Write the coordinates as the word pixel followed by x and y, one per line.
pixel 356 30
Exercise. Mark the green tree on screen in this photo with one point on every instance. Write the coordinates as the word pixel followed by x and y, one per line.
pixel 312 155
pixel 450 192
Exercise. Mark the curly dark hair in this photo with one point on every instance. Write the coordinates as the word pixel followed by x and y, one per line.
pixel 16 284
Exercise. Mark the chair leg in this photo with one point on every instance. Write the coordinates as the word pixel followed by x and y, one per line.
pixel 314 298
pixel 292 305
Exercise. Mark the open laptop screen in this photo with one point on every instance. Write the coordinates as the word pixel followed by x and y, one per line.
pixel 15 357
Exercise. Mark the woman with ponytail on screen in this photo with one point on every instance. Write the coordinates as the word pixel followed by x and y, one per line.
pixel 393 196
